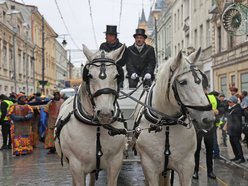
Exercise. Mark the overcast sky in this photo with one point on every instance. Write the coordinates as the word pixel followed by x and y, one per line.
pixel 76 15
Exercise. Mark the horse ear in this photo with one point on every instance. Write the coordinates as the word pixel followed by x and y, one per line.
pixel 195 56
pixel 116 55
pixel 87 53
pixel 176 61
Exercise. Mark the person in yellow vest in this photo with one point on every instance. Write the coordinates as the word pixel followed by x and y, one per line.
pixel 208 141
pixel 5 121
pixel 213 97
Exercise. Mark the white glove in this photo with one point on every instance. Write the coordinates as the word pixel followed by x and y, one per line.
pixel 134 76
pixel 147 76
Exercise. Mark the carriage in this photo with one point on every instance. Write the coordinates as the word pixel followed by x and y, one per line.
pixel 91 133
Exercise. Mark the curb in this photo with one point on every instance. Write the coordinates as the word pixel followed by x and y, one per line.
pixel 232 163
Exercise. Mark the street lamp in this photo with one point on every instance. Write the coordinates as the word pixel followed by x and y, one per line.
pixel 43 82
pixel 155 15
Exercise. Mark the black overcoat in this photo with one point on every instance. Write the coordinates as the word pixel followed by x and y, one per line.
pixel 107 47
pixel 141 62
pixel 234 121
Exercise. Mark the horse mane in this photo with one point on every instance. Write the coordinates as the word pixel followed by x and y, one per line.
pixel 162 82
pixel 85 100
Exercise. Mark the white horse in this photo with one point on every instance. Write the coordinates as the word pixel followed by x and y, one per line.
pixel 82 137
pixel 179 99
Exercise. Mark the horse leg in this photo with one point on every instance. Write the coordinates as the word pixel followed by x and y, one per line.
pixel 152 178
pixel 92 179
pixel 78 177
pixel 165 181
pixel 114 170
pixel 185 173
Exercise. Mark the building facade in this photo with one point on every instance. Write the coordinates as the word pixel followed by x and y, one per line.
pixel 61 66
pixel 16 54
pixel 230 53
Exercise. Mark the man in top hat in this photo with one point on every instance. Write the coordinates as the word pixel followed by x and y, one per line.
pixel 141 61
pixel 112 43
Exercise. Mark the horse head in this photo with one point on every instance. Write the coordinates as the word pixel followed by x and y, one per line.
pixel 102 75
pixel 185 90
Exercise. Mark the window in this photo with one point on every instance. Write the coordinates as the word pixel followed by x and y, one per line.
pixel 182 15
pixel 196 39
pixel 244 81
pixel 195 4
pixel 207 73
pixel 230 43
pixel 201 36
pixel 219 38
pixel 233 79
pixel 223 85
pixel 4 52
pixel 208 39
pixel 178 18
pixel 187 40
pixel 175 22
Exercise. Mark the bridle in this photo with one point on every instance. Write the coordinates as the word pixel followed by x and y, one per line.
pixel 197 80
pixel 102 63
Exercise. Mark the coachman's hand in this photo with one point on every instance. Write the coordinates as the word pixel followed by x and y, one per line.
pixel 147 76
pixel 134 76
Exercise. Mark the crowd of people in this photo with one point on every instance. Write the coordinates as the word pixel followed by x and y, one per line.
pixel 232 119
pixel 27 121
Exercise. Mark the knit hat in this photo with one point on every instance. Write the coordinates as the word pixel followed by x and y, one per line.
pixel 233 99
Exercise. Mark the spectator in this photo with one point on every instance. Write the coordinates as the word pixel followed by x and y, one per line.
pixel 244 106
pixel 234 92
pixel 234 128
pixel 12 97
pixel 112 43
pixel 5 121
pixel 21 115
pixel 216 149
pixel 141 61
pixel 223 111
pixel 208 141
pixel 53 112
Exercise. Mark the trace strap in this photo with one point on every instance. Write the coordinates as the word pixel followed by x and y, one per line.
pixel 167 151
pixel 99 153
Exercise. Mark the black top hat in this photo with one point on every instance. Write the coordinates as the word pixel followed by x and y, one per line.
pixel 141 32
pixel 111 29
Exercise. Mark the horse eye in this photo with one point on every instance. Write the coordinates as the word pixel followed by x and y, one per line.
pixel 89 76
pixel 182 82
pixel 117 75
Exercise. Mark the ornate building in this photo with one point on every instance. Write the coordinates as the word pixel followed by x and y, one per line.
pixel 16 50
pixel 229 52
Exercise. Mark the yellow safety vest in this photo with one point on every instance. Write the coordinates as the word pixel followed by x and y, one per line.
pixel 213 101
pixel 9 104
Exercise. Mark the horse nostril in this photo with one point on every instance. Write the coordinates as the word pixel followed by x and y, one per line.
pixel 98 112
pixel 112 112
pixel 206 120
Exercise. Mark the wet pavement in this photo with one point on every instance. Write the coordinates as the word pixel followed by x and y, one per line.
pixel 41 169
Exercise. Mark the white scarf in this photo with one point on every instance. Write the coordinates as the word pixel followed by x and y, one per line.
pixel 139 48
